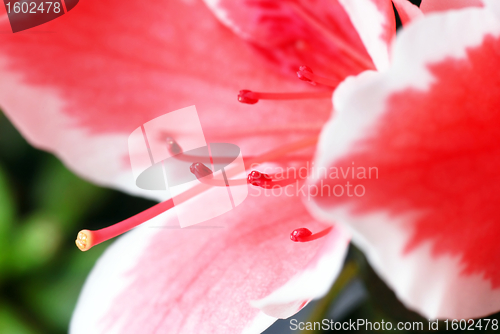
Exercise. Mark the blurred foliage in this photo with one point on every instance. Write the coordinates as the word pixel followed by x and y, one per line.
pixel 42 207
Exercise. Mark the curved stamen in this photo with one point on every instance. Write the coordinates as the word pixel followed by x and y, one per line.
pixel 221 160
pixel 174 148
pixel 200 171
pixel 255 178
pixel 249 97
pixel 305 235
pixel 87 239
pixel 266 181
pixel 306 74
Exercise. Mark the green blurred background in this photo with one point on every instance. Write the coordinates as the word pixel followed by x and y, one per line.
pixel 42 207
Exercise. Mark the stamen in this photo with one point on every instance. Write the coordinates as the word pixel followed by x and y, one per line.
pixel 195 158
pixel 343 45
pixel 173 147
pixel 306 74
pixel 201 172
pixel 86 239
pixel 258 179
pixel 249 97
pixel 305 235
pixel 266 181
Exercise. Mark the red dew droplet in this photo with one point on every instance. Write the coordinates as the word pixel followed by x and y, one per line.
pixel 300 235
pixel 246 96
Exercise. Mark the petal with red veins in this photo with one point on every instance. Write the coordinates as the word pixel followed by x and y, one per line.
pixel 428 6
pixel 79 85
pixel 427 216
pixel 317 34
pixel 376 24
pixel 204 279
pixel 407 11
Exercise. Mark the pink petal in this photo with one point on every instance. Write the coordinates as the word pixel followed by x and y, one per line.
pixel 407 11
pixel 376 24
pixel 80 84
pixel 429 217
pixel 204 280
pixel 295 33
pixel 428 6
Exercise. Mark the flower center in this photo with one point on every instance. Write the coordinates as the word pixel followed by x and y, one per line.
pixel 86 239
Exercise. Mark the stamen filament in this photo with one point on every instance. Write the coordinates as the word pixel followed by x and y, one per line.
pixel 86 239
pixel 306 74
pixel 174 149
pixel 201 172
pixel 305 235
pixel 249 97
pixel 266 181
pixel 221 160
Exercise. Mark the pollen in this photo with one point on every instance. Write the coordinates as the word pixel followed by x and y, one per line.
pixel 83 240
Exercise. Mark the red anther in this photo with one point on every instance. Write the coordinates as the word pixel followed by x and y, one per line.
pixel 173 147
pixel 246 96
pixel 259 179
pixel 304 235
pixel 200 170
pixel 305 74
pixel 300 235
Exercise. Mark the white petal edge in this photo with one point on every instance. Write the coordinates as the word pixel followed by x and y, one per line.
pixel 95 157
pixel 408 275
pixel 369 21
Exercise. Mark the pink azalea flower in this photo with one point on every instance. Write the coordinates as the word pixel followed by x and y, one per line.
pixel 109 67
pixel 428 223
pixel 79 85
